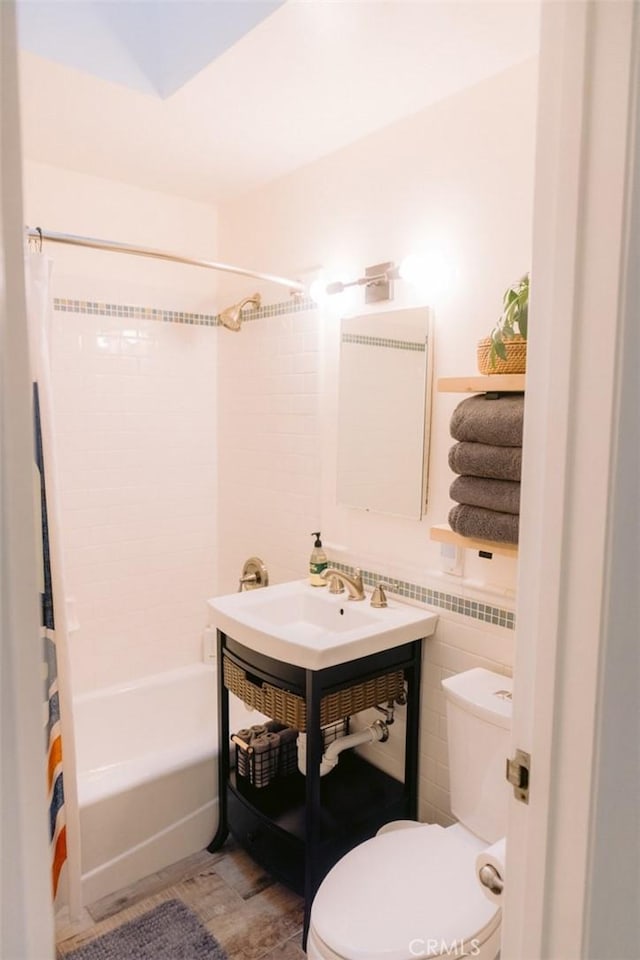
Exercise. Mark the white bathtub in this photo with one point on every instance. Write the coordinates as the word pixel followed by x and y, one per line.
pixel 147 776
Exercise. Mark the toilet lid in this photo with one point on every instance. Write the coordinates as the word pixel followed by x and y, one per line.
pixel 408 893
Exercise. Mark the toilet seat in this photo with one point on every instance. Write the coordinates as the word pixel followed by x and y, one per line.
pixel 403 895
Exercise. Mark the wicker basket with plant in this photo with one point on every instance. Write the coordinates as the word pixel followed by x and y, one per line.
pixel 505 349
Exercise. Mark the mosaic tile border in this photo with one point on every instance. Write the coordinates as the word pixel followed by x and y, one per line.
pixel 485 612
pixel 130 312
pixel 294 305
pixel 383 342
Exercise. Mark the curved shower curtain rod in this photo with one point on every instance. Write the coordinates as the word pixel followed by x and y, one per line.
pixel 36 233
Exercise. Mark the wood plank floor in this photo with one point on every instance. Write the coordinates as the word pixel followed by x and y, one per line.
pixel 251 916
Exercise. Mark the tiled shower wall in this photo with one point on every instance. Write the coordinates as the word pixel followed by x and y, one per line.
pixel 268 435
pixel 135 402
pixel 134 389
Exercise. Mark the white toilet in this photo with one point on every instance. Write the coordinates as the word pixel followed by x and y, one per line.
pixel 412 891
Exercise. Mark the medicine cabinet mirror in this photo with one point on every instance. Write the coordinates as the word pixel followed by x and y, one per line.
pixel 383 411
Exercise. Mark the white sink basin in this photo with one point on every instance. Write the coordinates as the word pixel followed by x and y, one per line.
pixel 312 628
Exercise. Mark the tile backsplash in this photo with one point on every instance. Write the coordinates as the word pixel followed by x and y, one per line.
pixel 499 616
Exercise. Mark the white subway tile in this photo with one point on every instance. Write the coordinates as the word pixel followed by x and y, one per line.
pixel 490 642
pixel 426 811
pixel 442 818
pixel 436 749
pixel 442 776
pixel 436 795
pixel 430 721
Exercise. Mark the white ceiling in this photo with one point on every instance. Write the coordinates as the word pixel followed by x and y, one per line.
pixel 311 77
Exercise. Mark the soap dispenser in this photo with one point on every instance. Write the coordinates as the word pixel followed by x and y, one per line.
pixel 317 563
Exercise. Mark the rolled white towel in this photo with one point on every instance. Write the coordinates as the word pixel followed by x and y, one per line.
pixel 491 870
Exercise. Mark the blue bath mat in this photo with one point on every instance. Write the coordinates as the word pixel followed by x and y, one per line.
pixel 169 932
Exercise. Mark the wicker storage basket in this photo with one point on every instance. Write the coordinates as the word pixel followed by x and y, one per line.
pixel 516 361
pixel 290 709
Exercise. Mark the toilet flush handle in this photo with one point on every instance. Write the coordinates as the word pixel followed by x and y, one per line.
pixel 490 878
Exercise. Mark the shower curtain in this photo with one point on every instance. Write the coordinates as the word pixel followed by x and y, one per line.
pixel 64 832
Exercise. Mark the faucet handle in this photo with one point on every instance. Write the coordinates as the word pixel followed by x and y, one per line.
pixel 335 584
pixel 379 597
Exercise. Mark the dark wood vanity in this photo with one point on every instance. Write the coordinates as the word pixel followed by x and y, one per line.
pixel 297 827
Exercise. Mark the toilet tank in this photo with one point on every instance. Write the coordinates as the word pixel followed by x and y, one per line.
pixel 478 705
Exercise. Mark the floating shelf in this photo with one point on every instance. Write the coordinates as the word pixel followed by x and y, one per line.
pixel 496 383
pixel 443 533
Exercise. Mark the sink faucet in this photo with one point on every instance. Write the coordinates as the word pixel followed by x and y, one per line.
pixel 354 585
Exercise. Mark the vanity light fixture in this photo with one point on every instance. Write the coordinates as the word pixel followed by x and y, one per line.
pixel 377 280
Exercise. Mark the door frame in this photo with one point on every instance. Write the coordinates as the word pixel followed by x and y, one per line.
pixel 576 689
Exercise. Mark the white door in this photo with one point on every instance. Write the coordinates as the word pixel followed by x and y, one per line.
pixel 572 887
pixel 26 930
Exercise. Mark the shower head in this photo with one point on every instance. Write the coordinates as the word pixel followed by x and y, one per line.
pixel 231 318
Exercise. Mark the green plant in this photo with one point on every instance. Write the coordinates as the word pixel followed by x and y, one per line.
pixel 512 321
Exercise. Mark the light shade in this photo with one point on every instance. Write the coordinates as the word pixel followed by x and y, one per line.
pixel 433 275
pixel 412 268
pixel 318 290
